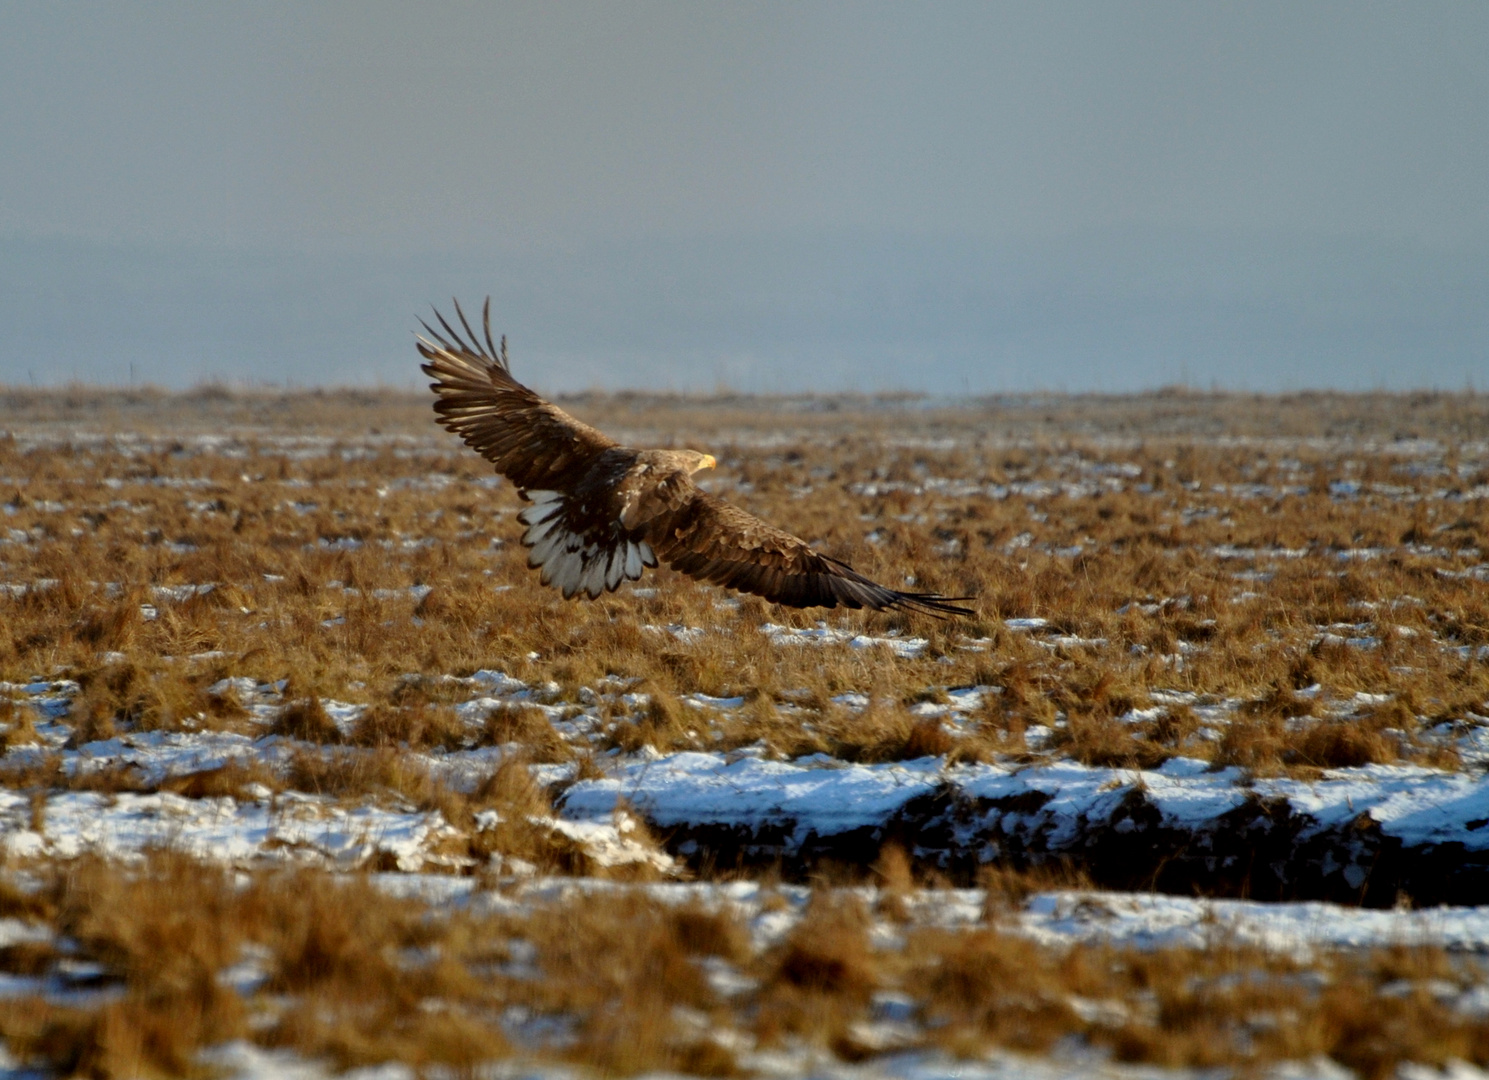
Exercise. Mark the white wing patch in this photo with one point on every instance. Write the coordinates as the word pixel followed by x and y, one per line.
pixel 568 560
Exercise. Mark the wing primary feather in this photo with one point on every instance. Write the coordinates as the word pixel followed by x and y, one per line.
pixel 445 345
pixel 469 333
pixel 486 325
pixel 448 328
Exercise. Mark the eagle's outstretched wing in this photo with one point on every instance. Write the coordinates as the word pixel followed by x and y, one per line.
pixel 712 541
pixel 534 444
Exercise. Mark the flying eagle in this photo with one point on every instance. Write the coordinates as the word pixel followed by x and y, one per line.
pixel 601 512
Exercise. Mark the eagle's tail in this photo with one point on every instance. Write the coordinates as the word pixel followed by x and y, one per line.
pixel 574 560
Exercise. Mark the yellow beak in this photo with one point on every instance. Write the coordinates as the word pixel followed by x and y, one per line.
pixel 709 462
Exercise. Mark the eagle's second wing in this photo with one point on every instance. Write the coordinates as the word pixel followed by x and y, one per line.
pixel 534 444
pixel 708 539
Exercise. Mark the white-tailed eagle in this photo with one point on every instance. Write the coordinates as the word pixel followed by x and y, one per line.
pixel 601 512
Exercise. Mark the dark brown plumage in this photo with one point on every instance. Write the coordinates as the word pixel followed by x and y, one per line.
pixel 601 512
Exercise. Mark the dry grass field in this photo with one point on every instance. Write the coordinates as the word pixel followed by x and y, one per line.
pixel 267 656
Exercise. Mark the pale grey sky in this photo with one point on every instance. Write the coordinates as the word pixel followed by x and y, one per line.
pixel 770 196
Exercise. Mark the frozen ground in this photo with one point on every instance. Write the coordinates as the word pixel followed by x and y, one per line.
pixel 1409 840
pixel 747 805
pixel 242 1061
pixel 775 810
pixel 1059 920
pixel 1056 918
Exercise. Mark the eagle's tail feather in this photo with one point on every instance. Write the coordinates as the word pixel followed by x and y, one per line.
pixel 592 562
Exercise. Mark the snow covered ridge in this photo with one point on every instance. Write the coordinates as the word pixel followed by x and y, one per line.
pixel 291 828
pixel 208 794
pixel 1371 835
pixel 1368 834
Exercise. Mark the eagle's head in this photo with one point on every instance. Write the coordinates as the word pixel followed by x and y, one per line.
pixel 692 460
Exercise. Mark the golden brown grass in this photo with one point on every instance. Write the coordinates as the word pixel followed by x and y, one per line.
pixel 1147 573
pixel 1223 1005
pixel 370 521
pixel 1185 550
pixel 190 956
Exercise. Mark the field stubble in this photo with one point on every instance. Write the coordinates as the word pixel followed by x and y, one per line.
pixel 332 590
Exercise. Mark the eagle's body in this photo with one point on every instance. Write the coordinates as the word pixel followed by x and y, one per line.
pixel 602 512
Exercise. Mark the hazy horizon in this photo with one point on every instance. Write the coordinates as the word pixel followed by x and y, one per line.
pixel 820 198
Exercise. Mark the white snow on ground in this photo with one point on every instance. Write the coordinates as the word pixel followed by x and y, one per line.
pixel 243 1061
pixel 814 795
pixel 1153 920
pixel 688 635
pixel 708 701
pixel 1056 919
pixel 823 634
pixel 290 827
pixel 614 843
pixel 1060 918
pixel 821 796
pixel 157 755
pixel 1418 805
pixel 706 788
pixel 50 698
pixel 262 826
pixel 1026 624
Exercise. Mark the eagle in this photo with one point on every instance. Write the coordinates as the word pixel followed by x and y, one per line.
pixel 601 513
